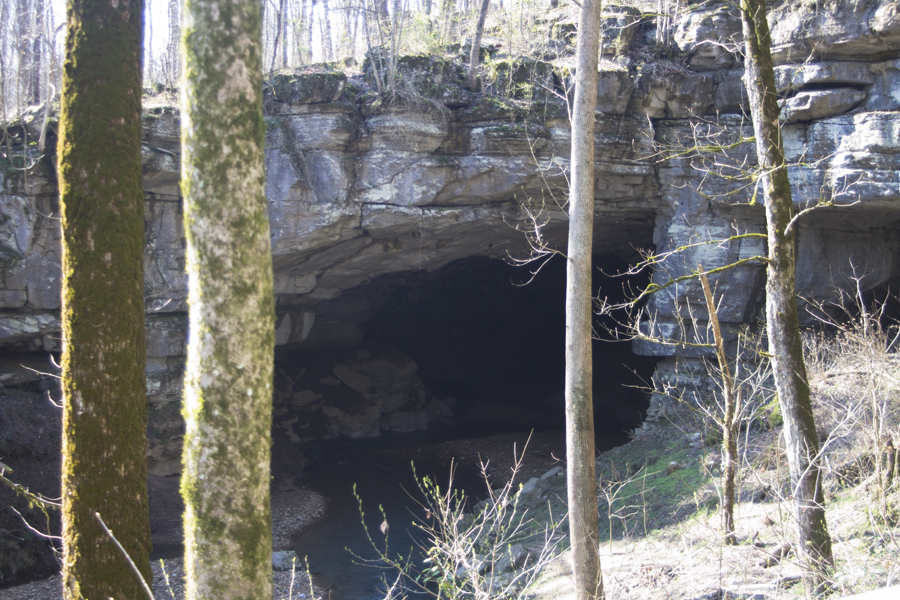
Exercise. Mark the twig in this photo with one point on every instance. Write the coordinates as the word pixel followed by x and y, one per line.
pixel 125 554
pixel 33 530
pixel 22 490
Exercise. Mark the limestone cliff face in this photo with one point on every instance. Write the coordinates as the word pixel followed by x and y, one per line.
pixel 361 187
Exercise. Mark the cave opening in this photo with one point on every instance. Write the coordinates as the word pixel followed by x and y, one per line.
pixel 478 337
pixel 479 344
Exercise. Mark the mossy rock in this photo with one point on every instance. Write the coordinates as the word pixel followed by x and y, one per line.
pixel 489 108
pixel 424 74
pixel 310 87
pixel 521 78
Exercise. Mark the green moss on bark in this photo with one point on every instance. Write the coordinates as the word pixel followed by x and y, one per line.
pixel 101 197
pixel 782 323
pixel 228 381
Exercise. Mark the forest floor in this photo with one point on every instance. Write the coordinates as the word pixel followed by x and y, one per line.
pixel 659 521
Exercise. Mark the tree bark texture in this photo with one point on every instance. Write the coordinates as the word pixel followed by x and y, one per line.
pixel 475 55
pixel 228 381
pixel 782 323
pixel 582 484
pixel 104 389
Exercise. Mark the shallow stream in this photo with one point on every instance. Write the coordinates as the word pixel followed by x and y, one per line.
pixel 337 547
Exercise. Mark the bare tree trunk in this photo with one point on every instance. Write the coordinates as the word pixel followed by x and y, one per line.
pixel 309 31
pixel 352 27
pixel 447 7
pixel 279 15
pixel 326 35
pixel 582 485
pixel 285 34
pixel 475 55
pixel 228 380
pixel 25 49
pixel 36 73
pixel 729 427
pixel 104 467
pixel 782 323
pixel 173 60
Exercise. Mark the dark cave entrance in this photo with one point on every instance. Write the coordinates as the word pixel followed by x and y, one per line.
pixel 481 332
pixel 487 338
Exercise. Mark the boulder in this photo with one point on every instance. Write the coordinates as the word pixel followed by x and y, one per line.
pixel 710 38
pixel 388 369
pixel 355 380
pixel 810 105
pixel 304 398
pixel 347 413
pixel 285 560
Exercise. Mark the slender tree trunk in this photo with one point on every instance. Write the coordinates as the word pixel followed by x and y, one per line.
pixel 782 323
pixel 279 15
pixel 228 381
pixel 475 55
pixel 327 48
pixel 285 34
pixel 173 61
pixel 25 49
pixel 36 73
pixel 309 31
pixel 351 25
pixel 300 33
pixel 582 484
pixel 104 466
pixel 729 428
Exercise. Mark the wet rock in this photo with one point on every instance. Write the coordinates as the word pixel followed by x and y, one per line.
pixel 285 560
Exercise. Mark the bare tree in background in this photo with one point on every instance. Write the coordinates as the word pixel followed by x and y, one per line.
pixel 475 55
pixel 327 48
pixel 310 29
pixel 173 59
pixel 280 17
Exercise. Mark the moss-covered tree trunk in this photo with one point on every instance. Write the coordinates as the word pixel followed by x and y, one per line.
pixel 582 485
pixel 228 384
pixel 105 406
pixel 782 323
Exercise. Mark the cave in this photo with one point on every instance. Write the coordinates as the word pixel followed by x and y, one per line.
pixel 487 340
